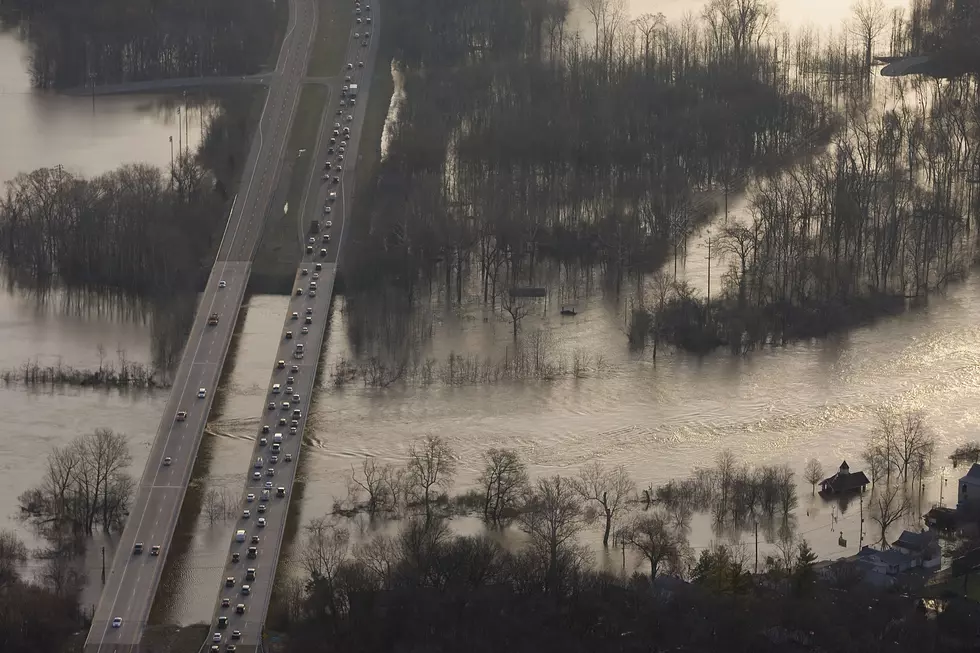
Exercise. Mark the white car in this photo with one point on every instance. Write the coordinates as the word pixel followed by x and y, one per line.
pixel 327 209
pixel 246 514
pixel 250 498
pixel 181 415
pixel 276 389
pixel 261 522
pixel 216 638
pixel 289 457
pixel 350 67
pixel 304 331
pixel 328 224
pixel 268 485
pixel 202 393
pixel 222 284
pixel 256 476
pixel 117 622
pixel 360 64
pixel 261 507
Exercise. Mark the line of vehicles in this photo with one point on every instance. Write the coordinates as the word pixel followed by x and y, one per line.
pixel 283 396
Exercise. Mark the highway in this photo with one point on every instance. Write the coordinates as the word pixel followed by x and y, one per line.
pixel 133 578
pixel 247 621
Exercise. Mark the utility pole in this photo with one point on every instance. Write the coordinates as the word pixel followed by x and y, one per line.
pixel 757 547
pixel 187 140
pixel 180 134
pixel 861 526
pixel 103 565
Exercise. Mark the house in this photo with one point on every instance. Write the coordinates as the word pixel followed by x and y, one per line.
pixel 844 481
pixel 890 562
pixel 922 548
pixel 969 489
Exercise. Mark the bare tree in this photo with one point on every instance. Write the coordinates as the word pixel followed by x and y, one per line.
pixel 325 549
pixel 876 460
pixel 504 480
pixel 663 290
pixel 813 473
pixel 661 540
pixel 607 17
pixel 213 510
pixel 374 484
pixel 914 443
pixel 869 20
pixel 516 308
pixel 380 555
pixel 609 489
pixel 431 465
pixel 552 517
pixel 744 22
pixel 889 505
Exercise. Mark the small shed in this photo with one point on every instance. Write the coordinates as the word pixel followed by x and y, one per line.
pixel 844 481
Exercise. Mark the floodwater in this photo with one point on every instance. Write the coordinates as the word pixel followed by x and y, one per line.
pixel 660 419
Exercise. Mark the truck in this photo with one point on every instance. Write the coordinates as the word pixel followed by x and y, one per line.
pixel 352 91
pixel 315 226
pixel 212 319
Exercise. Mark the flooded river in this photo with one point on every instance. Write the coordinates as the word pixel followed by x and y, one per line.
pixel 659 419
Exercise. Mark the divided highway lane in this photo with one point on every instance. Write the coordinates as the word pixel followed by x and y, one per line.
pixel 244 614
pixel 133 579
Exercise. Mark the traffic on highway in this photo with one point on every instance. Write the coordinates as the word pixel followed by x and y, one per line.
pixel 247 581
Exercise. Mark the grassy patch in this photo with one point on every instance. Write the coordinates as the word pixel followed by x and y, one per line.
pixel 279 251
pixel 375 114
pixel 282 22
pixel 334 23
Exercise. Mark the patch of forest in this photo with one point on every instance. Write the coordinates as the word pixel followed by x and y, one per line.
pixel 519 142
pixel 137 229
pixel 76 43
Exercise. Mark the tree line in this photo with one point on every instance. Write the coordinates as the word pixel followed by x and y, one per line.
pixel 113 41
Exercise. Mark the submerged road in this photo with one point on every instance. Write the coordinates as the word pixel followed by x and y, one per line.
pixel 246 588
pixel 133 579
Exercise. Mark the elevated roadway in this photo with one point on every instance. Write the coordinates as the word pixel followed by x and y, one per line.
pixel 133 579
pixel 249 623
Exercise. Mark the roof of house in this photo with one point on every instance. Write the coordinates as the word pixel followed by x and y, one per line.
pixel 914 541
pixel 974 472
pixel 887 557
pixel 848 481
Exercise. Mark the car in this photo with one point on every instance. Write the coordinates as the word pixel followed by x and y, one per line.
pixel 276 389
pixel 325 177
pixel 332 197
pixel 246 514
pixel 312 294
pixel 155 550
pixel 280 492
pixel 138 548
pixel 368 20
pixel 268 485
pixel 250 498
pixel 236 556
pixel 349 118
pixel 240 608
pixel 333 140
pixel 261 507
pixel 289 381
pixel 273 460
pixel 117 622
pixel 284 405
pixel 296 399
pixel 299 291
pixel 246 590
pixel 367 8
pixel 289 389
pixel 326 239
pixel 250 573
pixel 215 649
pixel 271 471
pixel 181 415
pixel 222 284
pixel 168 460
pixel 236 634
pixel 304 272
pixel 335 133
pixel 318 267
pixel 289 335
pixel 255 539
pixel 309 250
pixel 272 405
pixel 336 180
pixel 216 637
pixel 265 428
pixel 294 423
pixel 327 208
pixel 263 442
pixel 292 431
pixel 261 522
pixel 323 252
pixel 259 462
pixel 252 552
pixel 288 457
pixel 256 476
pixel 340 157
pixel 231 648
pixel 357 35
pixel 202 393
pixel 360 64
pixel 350 66
pixel 295 368
pixel 304 331
pixel 327 224
pixel 282 421
pixel 230 581
pixel 222 622
pixel 364 43
pixel 225 603
pixel 281 364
